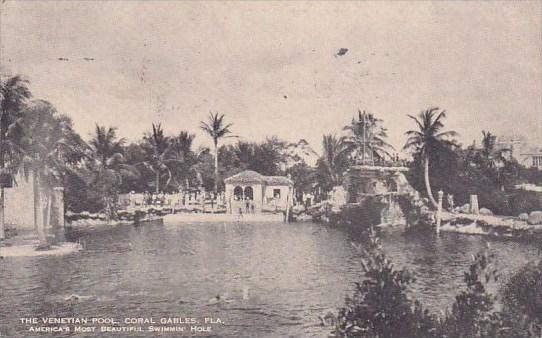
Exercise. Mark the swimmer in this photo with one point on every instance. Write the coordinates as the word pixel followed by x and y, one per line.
pixel 215 300
pixel 75 297
pixel 218 299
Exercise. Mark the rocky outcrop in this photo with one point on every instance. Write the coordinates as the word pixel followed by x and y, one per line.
pixel 535 217
pixel 485 211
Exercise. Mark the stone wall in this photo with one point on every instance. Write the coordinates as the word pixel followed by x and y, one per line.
pixel 369 180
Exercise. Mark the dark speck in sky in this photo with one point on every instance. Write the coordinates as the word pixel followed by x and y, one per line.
pixel 285 96
pixel 342 51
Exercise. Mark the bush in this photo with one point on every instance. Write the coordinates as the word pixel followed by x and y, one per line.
pixel 524 202
pixel 522 302
pixel 380 306
pixel 473 313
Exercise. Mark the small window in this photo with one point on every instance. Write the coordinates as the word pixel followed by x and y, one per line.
pixel 276 193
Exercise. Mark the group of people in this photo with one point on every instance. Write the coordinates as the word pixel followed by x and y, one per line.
pixel 249 207
pixel 181 198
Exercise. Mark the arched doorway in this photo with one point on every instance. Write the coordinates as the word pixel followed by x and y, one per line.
pixel 238 193
pixel 249 193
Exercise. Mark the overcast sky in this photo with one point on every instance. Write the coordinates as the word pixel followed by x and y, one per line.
pixel 272 67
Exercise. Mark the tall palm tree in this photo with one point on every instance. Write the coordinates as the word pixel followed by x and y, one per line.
pixel 160 155
pixel 14 93
pixel 217 129
pixel 105 161
pixel 428 139
pixel 333 159
pixel 366 139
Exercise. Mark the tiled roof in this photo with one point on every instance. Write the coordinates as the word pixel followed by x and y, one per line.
pixel 277 180
pixel 250 176
pixel 247 176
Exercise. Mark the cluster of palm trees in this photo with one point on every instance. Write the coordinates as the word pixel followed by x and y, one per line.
pixel 35 138
pixel 365 144
pixel 39 144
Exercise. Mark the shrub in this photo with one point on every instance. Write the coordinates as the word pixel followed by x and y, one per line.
pixel 473 313
pixel 524 202
pixel 522 302
pixel 380 306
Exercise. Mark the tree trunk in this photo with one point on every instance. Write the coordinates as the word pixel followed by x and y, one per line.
pixel 157 190
pixel 427 184
pixel 2 217
pixel 216 167
pixel 39 212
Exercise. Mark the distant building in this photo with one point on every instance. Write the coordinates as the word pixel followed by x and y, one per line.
pixel 531 157
pixel 511 145
pixel 517 147
pixel 253 192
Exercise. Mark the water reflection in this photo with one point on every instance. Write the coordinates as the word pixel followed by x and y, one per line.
pixel 277 278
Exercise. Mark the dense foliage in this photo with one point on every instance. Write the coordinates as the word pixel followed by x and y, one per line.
pixel 381 306
pixel 96 171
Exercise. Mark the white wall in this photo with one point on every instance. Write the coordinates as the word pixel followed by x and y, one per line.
pixel 282 202
pixel 19 203
pixel 233 206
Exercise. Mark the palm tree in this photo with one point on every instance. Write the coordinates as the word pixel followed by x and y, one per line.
pixel 494 157
pixel 105 160
pixel 428 139
pixel 366 139
pixel 182 144
pixel 182 151
pixel 333 160
pixel 488 145
pixel 50 147
pixel 160 155
pixel 14 93
pixel 217 129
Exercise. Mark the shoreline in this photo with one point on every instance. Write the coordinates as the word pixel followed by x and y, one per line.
pixel 488 225
pixel 29 250
pixel 213 218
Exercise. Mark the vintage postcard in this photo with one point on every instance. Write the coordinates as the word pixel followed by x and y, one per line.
pixel 270 169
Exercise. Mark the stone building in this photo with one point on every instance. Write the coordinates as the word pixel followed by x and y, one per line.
pixel 258 192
